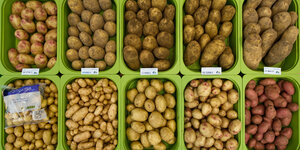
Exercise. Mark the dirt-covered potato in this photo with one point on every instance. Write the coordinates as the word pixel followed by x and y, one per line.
pixel 250 16
pixel 165 39
pixel 134 26
pixel 149 43
pixel 86 16
pixel 74 42
pixel 281 21
pixel 201 15
pixel 211 29
pixel 218 4
pixel 100 38
pixel 105 4
pixel 96 52
pixel 211 52
pixel 226 59
pixel 129 15
pixel 192 53
pixel 215 16
pixel 133 40
pixel 252 51
pixel 161 52
pixel 190 6
pixel 131 57
pixel 85 38
pixel 251 28
pixel 72 55
pixel 265 23
pixel 96 22
pixel 146 58
pixel 228 13
pixel 142 15
pixel 162 64
pixel 169 12
pixel 166 25
pixel 76 6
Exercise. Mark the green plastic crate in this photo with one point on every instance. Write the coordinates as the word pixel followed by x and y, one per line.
pixel 8 79
pixel 295 79
pixel 174 52
pixel 66 67
pixel 66 79
pixel 8 40
pixel 128 82
pixel 237 82
pixel 289 65
pixel 233 41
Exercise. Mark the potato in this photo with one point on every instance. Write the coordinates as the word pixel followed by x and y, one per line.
pixel 77 64
pixel 264 12
pixel 76 6
pixel 211 29
pixel 250 16
pixel 136 145
pixel 86 16
pixel 142 15
pixel 74 42
pixel 204 40
pixel 85 38
pixel 188 34
pixel 265 23
pixel 27 14
pixel 110 28
pixel 28 25
pixel 226 60
pixel 133 40
pixel 167 135
pixel 218 4
pixel 155 15
pixel 154 137
pixel 132 135
pixel 215 16
pixel 51 62
pixel 189 135
pixel 280 6
pixel 138 127
pixel 96 22
pixel 201 15
pixel 192 53
pixel 188 20
pixel 165 39
pixel 89 63
pixel 12 56
pixel 96 52
pixel 100 38
pixel 109 15
pixel 139 114
pixel 15 21
pixel 294 17
pixel 149 43
pixel 134 26
pixel 160 102
pixel 92 5
pixel 161 53
pixel 268 39
pixel 232 144
pixel 51 35
pixel 21 34
pixel 252 51
pixel 228 13
pixel 73 31
pixel 110 58
pixel 73 19
pixel 281 22
pixel 129 15
pixel 146 58
pixel 72 55
pixel 144 140
pixel 206 129
pixel 23 47
pixel 50 7
pixel 17 7
pixel 156 120
pixel 267 3
pixel 131 57
pixel 191 6
pixel 131 5
pixel 40 14
pixel 51 22
pixel 211 53
pixel 50 48
pixel 166 25
pixel 235 126
pixel 37 37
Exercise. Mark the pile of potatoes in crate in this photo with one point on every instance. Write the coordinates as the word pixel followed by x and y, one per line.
pixel 149 35
pixel 151 118
pixel 269 31
pixel 91 114
pixel 210 120
pixel 268 112
pixel 207 23
pixel 91 32
pixel 36 136
pixel 35 23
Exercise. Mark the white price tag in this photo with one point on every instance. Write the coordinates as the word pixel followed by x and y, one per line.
pixel 30 71
pixel 272 70
pixel 89 71
pixel 149 71
pixel 211 70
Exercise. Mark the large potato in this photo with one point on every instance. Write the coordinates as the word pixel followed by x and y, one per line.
pixel 76 6
pixel 131 57
pixel 100 38
pixel 192 53
pixel 134 26
pixel 211 52
pixel 252 51
pixel 165 39
pixel 226 59
pixel 146 58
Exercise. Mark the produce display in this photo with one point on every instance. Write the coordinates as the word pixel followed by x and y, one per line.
pixel 149 34
pixel 207 24
pixel 269 110
pixel 151 114
pixel 91 114
pixel 92 34
pixel 35 26
pixel 41 135
pixel 269 31
pixel 210 120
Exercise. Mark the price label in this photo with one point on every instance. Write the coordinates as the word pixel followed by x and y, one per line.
pixel 89 71
pixel 149 71
pixel 272 70
pixel 30 71
pixel 211 70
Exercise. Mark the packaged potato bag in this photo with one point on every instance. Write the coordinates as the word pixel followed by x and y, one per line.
pixel 23 105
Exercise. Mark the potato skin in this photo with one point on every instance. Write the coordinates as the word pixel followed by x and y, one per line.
pixel 188 34
pixel 190 6
pixel 268 38
pixel 161 52
pixel 165 39
pixel 281 22
pixel 134 26
pixel 133 40
pixel 250 16
pixel 162 64
pixel 76 6
pixel 252 51
pixel 211 53
pixel 100 38
pixel 218 4
pixel 92 5
pixel 201 15
pixel 226 29
pixel 169 12
pixel 192 53
pixel 228 13
pixel 146 58
pixel 211 29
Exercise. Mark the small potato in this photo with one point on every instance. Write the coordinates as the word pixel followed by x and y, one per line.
pixel 232 144
pixel 226 29
pixel 134 26
pixel 96 52
pixel 206 129
pixel 264 12
pixel 139 114
pixel 109 15
pixel 166 25
pixel 21 34
pixel 169 87
pixel 131 5
pixel 27 13
pixel 170 99
pixel 132 135
pixel 72 55
pixel 110 46
pixel 110 59
pixel 146 58
pixel 201 15
pixel 50 7
pixel 51 22
pixel 12 56
pixel 110 28
pixel 154 137
pixel 73 19
pixel 231 114
pixel 228 13
pixel 136 145
pixel 142 84
pixel 192 53
pixel 142 15
pixel 76 6
pixel 169 114
pixel 188 34
pixel 155 14
pixel 51 63
pixel 129 15
pixel 40 14
pixel 280 21
pixel 162 65
pixel 77 64
pixel 96 22
pixel 204 40
pixel 169 12
pixel 23 47
pixel 28 25
pixel 131 94
pixel 51 35
pixel 156 120
pixel 144 140
pixel 160 102
pixel 101 65
pixel 100 38
pixel 40 60
pixel 252 4
pixel 138 127
pixel 235 126
pixel 133 40
pixel 149 43
pixel 149 105
pixel 191 6
pixel 214 120
pixel 50 48
pixel 167 135
pixel 74 43
pixel 91 5
pixel 83 53
pixel 250 16
pixel 226 59
pixel 161 53
pixel 165 39
pixel 251 28
pixel 188 20
pixel 89 63
pixel 17 7
pixel 215 16
pixel 86 16
pixel 85 38
pixel 15 21
pixel 218 4
pixel 160 4
pixel 265 23
pixel 41 27
pixel 37 37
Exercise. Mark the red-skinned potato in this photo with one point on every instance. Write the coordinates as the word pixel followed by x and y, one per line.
pixel 283 113
pixel 286 121
pixel 251 84
pixel 280 102
pixel 258 110
pixel 287 132
pixel 262 98
pixel 259 136
pixel 288 87
pixel 268 103
pixel 251 143
pixel 272 91
pixel 270 112
pixel 247 137
pixel 251 129
pixel 293 107
pixel 251 94
pixel 259 145
pixel 287 97
pixel 263 127
pixel 257 119
pixel 248 117
pixel 280 84
pixel 276 125
pixel 281 140
pixel 267 81
pixel 269 137
pixel 247 104
pixel 259 90
pixel 21 34
pixel 270 146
